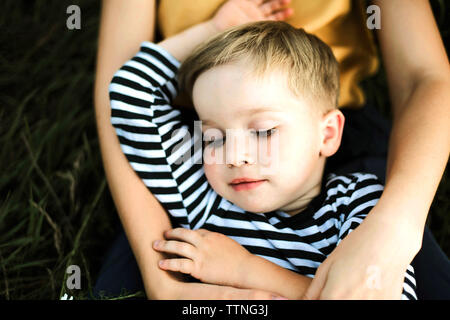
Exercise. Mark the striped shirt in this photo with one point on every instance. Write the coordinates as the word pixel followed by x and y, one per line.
pixel 162 148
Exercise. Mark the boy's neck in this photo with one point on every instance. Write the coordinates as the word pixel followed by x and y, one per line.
pixel 302 203
pixel 313 189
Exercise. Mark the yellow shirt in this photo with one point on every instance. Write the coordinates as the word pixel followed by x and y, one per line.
pixel 339 23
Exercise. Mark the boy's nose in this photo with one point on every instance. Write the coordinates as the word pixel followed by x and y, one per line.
pixel 242 157
pixel 240 149
pixel 239 163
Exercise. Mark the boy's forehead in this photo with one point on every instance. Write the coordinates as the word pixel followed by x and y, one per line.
pixel 242 86
pixel 243 112
pixel 233 91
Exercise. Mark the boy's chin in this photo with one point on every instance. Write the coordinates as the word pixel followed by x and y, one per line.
pixel 257 208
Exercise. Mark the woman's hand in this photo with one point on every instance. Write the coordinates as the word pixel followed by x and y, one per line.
pixel 236 12
pixel 210 257
pixel 231 13
pixel 370 263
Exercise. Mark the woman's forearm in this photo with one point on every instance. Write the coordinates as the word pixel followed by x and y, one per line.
pixel 142 217
pixel 418 77
pixel 418 151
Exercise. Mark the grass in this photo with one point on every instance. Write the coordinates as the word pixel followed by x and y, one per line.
pixel 55 207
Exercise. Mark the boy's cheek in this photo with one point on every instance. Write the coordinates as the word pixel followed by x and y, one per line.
pixel 212 173
pixel 269 155
pixel 213 156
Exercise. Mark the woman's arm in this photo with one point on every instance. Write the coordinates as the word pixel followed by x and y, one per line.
pixel 124 25
pixel 418 74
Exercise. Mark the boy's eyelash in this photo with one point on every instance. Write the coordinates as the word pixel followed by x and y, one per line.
pixel 220 142
pixel 264 133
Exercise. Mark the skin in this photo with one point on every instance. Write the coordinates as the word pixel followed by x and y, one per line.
pixel 419 84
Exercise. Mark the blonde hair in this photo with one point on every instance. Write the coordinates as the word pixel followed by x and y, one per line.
pixel 310 66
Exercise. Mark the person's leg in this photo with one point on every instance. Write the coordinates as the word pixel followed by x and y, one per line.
pixel 119 273
pixel 364 149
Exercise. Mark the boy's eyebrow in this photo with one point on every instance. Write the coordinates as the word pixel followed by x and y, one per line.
pixel 246 111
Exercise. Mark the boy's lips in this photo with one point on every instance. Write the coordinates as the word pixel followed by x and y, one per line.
pixel 246 183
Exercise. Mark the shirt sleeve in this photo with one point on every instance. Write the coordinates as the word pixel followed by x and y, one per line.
pixel 362 194
pixel 160 147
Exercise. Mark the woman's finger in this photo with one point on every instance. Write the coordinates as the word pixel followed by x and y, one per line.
pixel 257 2
pixel 182 234
pixel 281 15
pixel 315 288
pixel 177 265
pixel 269 8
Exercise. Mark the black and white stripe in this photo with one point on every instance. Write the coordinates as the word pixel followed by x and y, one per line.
pixel 160 148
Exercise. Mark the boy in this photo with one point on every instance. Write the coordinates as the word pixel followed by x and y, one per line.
pixel 261 84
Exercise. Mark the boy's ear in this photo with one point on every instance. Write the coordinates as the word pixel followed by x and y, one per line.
pixel 332 128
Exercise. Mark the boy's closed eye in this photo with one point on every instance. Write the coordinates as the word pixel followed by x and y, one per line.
pixel 264 133
pixel 219 141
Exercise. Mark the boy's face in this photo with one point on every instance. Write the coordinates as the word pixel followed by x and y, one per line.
pixel 266 153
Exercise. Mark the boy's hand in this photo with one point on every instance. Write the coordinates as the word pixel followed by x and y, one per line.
pixel 208 256
pixel 236 12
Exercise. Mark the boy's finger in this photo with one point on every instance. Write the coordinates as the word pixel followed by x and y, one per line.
pixel 185 235
pixel 203 232
pixel 176 247
pixel 177 265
